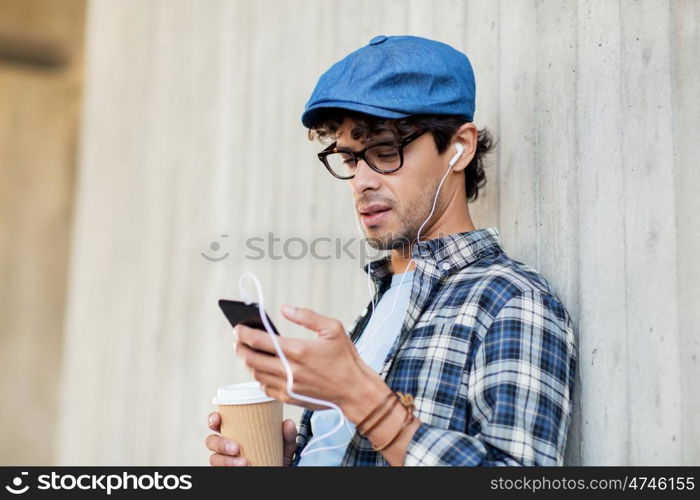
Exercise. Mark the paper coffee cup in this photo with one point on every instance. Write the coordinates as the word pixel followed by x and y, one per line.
pixel 254 420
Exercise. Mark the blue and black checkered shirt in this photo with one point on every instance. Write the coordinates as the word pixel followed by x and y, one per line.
pixel 488 352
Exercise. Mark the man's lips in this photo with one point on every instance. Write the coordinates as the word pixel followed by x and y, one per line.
pixel 373 214
pixel 372 208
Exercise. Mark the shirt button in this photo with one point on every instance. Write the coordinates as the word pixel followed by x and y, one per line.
pixel 377 40
pixel 445 265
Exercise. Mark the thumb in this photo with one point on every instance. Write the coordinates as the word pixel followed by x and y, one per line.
pixel 289 434
pixel 312 320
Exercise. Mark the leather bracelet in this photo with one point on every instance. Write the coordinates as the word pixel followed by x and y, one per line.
pixel 374 410
pixel 382 417
pixel 406 423
pixel 406 400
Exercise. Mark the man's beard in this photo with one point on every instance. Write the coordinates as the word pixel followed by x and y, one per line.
pixel 410 223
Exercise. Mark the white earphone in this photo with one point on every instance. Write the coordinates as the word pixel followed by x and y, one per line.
pixel 458 154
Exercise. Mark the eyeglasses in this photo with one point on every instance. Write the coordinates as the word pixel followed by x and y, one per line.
pixel 385 157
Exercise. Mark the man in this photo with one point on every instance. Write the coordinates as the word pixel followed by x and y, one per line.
pixel 466 356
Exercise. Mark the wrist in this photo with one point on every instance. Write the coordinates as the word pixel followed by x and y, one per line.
pixel 365 396
pixel 393 433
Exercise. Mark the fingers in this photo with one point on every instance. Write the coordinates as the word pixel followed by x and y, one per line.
pixel 218 460
pixel 269 381
pixel 215 421
pixel 226 452
pixel 312 320
pixel 221 445
pixel 257 346
pixel 253 338
pixel 274 386
pixel 289 431
pixel 259 362
pixel 258 340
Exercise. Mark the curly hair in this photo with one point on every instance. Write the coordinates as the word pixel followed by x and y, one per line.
pixel 442 127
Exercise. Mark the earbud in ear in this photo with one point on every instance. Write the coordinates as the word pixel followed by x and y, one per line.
pixel 460 150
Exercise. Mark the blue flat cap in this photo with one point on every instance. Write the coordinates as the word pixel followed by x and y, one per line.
pixel 395 77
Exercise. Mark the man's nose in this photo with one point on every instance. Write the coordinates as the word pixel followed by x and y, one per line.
pixel 365 178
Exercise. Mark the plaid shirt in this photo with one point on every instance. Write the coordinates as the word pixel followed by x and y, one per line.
pixel 488 352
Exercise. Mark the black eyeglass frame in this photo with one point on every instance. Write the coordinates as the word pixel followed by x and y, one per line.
pixel 360 155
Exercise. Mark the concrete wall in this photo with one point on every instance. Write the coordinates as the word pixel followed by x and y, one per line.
pixel 40 86
pixel 191 131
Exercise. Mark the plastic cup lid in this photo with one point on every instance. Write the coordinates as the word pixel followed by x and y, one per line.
pixel 240 394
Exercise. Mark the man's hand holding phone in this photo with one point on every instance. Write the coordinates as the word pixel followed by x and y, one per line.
pixel 326 367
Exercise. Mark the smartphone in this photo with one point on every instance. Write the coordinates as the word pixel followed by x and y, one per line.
pixel 238 312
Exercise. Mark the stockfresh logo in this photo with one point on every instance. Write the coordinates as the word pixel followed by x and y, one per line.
pixel 17 487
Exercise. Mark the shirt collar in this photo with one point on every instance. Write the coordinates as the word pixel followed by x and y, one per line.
pixel 448 253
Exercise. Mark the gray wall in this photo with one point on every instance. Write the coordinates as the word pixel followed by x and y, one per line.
pixel 41 47
pixel 191 131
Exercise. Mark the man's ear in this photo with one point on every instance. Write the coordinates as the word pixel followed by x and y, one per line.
pixel 467 136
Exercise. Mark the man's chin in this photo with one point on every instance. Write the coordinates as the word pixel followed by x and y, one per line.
pixel 386 240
